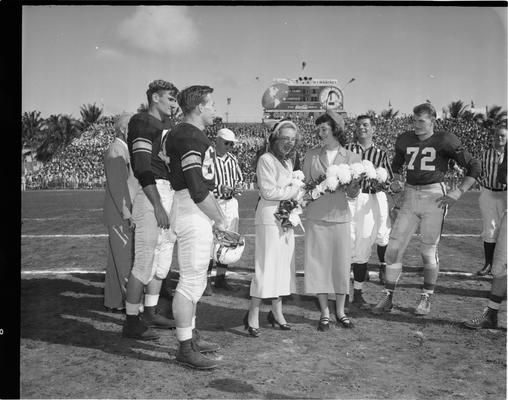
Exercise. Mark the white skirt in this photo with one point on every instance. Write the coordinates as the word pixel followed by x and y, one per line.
pixel 274 262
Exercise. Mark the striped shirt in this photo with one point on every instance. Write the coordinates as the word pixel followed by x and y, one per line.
pixel 491 161
pixel 375 155
pixel 227 172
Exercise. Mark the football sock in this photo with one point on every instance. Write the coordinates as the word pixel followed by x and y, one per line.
pixel 392 275
pixel 381 250
pixel 193 324
pixel 183 334
pixel 428 291
pixel 494 306
pixel 359 271
pixel 151 300
pixel 210 266
pixel 430 274
pixel 358 285
pixel 489 252
pixel 221 269
pixel 132 309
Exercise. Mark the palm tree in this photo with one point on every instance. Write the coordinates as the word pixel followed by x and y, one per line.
pixel 31 124
pixel 58 130
pixel 90 114
pixel 494 116
pixel 456 109
pixel 389 114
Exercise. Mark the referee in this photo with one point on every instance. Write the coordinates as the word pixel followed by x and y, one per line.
pixel 228 178
pixel 492 195
pixel 370 220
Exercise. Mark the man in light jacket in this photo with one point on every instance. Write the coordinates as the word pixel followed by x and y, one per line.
pixel 120 188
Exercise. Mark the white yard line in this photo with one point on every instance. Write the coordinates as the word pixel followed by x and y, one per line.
pixel 241 219
pixel 97 235
pixel 372 274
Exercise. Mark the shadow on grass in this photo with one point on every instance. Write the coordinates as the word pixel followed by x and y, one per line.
pixel 49 315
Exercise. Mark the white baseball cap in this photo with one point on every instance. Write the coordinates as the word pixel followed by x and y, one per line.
pixel 227 134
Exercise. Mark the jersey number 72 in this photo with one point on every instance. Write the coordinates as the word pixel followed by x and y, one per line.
pixel 428 155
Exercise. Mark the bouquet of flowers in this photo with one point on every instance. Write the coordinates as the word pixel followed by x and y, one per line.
pixel 376 178
pixel 288 212
pixel 340 177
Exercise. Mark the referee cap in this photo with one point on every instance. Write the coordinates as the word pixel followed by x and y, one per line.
pixel 227 134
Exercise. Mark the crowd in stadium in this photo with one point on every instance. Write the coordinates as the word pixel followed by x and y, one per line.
pixel 80 164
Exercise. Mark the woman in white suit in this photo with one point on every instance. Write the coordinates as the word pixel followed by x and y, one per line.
pixel 274 254
pixel 327 230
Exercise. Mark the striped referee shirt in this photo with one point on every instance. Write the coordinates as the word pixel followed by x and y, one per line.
pixel 491 161
pixel 227 172
pixel 375 155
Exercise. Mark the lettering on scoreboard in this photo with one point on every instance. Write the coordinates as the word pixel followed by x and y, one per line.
pixel 302 95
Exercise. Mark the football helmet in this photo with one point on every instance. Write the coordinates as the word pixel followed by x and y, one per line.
pixel 228 247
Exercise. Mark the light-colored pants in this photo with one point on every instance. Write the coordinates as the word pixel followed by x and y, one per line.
pixel 492 206
pixel 120 254
pixel 369 224
pixel 499 260
pixel 419 208
pixel 230 210
pixel 153 246
pixel 193 231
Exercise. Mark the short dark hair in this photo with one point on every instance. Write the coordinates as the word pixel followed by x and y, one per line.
pixel 425 108
pixel 190 97
pixel 158 86
pixel 337 131
pixel 366 116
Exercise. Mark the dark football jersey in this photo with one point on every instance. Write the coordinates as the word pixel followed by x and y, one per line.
pixel 144 142
pixel 427 160
pixel 191 157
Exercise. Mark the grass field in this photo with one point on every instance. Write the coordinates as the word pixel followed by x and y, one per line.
pixel 71 348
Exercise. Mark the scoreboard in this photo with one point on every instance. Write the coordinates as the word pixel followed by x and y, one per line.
pixel 302 95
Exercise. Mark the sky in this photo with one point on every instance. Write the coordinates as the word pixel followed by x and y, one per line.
pixel 107 55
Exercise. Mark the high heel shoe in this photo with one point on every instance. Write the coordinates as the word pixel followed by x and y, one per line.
pixel 344 321
pixel 271 320
pixel 254 332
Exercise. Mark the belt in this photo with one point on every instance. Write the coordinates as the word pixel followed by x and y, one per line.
pixel 496 190
pixel 369 191
pixel 427 186
pixel 226 198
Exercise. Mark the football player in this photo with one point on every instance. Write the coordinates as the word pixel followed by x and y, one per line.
pixel 153 244
pixel 425 202
pixel 195 210
pixel 492 199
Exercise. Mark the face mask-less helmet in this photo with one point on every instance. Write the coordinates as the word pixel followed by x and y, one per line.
pixel 228 247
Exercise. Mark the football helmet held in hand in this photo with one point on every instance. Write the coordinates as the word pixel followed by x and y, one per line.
pixel 228 247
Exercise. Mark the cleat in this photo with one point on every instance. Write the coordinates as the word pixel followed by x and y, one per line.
pixel 359 301
pixel 221 283
pixel 153 319
pixel 486 270
pixel 487 320
pixel 134 328
pixel 202 345
pixel 423 307
pixel 189 356
pixel 385 305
